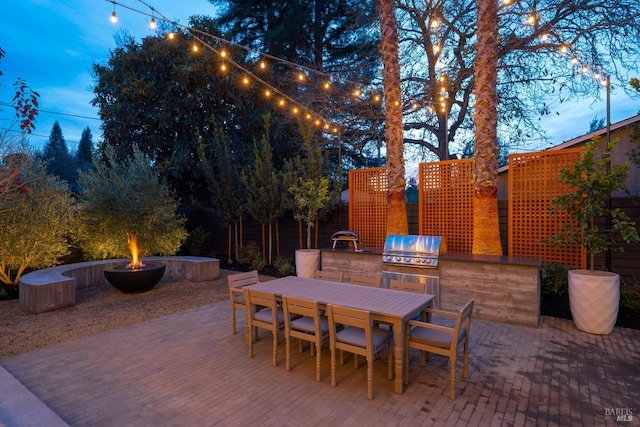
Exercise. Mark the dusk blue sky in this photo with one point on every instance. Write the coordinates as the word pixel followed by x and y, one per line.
pixel 52 44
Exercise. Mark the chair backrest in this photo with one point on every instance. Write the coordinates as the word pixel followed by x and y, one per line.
pixel 354 318
pixel 261 299
pixel 242 279
pixel 332 276
pixel 401 285
pixel 464 318
pixel 300 307
pixel 374 282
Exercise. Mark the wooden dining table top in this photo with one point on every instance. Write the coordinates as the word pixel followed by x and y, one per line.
pixel 381 301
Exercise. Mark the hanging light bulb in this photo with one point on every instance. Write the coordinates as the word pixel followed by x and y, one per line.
pixel 267 93
pixel 223 67
pixel 152 24
pixel 223 53
pixel 195 47
pixel 114 17
pixel 574 60
pixel 263 65
pixel 531 19
pixel 327 85
pixel 245 80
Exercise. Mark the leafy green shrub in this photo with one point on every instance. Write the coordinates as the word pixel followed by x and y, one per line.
pixel 122 199
pixel 197 241
pixel 555 279
pixel 630 293
pixel 285 266
pixel 36 219
pixel 249 254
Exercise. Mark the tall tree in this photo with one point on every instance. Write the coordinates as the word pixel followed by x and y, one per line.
pixel 331 36
pixel 397 217
pixel 538 44
pixel 167 99
pixel 486 227
pixel 84 154
pixel 56 155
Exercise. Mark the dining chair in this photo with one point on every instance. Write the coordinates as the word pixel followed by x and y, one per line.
pixel 357 279
pixel 332 276
pixel 236 294
pixel 401 285
pixel 263 312
pixel 443 340
pixel 302 320
pixel 360 337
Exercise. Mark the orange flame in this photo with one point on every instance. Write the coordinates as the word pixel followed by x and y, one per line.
pixel 135 253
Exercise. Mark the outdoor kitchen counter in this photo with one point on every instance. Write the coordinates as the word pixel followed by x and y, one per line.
pixel 506 289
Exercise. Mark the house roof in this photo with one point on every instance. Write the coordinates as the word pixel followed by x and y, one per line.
pixel 581 139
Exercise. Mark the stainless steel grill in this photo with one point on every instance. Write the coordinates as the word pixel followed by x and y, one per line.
pixel 413 250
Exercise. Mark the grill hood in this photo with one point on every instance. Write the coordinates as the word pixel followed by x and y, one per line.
pixel 413 250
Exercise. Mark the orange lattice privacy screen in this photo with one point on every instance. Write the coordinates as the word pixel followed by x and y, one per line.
pixel 532 185
pixel 446 202
pixel 368 205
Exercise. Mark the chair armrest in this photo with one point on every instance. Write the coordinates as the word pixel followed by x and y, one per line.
pixel 440 312
pixel 432 326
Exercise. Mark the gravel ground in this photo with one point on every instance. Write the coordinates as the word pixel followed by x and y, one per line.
pixel 102 309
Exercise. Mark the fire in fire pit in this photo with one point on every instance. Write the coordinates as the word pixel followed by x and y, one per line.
pixel 136 276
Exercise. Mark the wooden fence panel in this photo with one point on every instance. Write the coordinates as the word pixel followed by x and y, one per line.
pixel 445 200
pixel 533 184
pixel 368 205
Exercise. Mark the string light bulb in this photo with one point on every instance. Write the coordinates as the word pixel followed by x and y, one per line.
pixel 152 23
pixel 171 35
pixel 195 47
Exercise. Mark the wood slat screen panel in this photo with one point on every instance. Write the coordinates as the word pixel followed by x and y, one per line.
pixel 368 205
pixel 445 202
pixel 533 184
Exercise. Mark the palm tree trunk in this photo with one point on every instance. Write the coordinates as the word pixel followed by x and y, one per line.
pixel 486 227
pixel 397 222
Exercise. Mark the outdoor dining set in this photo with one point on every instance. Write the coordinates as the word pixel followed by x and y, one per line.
pixel 359 317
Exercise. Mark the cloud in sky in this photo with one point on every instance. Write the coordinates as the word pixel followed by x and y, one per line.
pixel 53 44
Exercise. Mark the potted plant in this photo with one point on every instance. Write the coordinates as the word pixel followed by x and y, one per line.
pixel 310 197
pixel 594 295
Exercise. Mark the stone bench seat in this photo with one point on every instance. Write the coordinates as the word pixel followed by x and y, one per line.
pixel 55 287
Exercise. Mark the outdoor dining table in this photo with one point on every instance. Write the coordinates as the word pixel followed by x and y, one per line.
pixel 386 305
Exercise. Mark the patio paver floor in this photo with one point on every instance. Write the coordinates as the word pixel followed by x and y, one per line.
pixel 187 369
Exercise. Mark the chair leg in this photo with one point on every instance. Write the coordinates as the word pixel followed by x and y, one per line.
pixel 390 362
pixel 452 395
pixel 318 361
pixel 233 319
pixel 287 353
pixel 275 348
pixel 333 367
pixel 465 360
pixel 370 378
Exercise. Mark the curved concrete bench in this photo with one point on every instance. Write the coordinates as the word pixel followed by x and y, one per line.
pixel 55 287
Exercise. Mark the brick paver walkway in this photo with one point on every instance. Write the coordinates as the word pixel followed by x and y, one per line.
pixel 188 370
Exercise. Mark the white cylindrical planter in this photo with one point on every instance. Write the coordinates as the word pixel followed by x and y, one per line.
pixel 307 262
pixel 594 297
